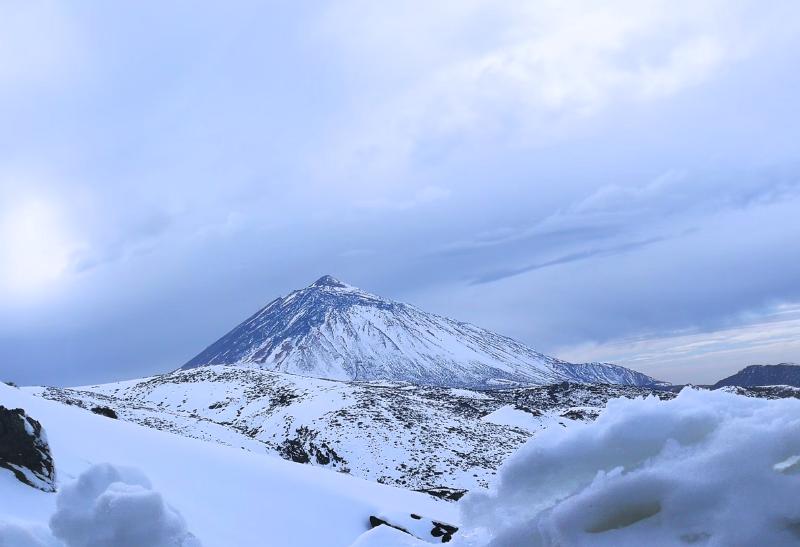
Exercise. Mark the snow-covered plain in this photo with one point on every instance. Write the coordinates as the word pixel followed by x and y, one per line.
pixel 227 496
pixel 707 468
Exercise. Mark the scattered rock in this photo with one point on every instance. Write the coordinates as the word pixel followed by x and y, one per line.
pixel 104 411
pixel 418 527
pixel 580 414
pixel 304 449
pixel 444 493
pixel 445 531
pixel 24 450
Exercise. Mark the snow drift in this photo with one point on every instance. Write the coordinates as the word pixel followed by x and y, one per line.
pixel 707 468
pixel 105 506
pixel 23 534
pixel 117 506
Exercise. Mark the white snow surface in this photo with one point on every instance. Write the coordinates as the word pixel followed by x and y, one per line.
pixel 335 331
pixel 106 506
pixel 417 437
pixel 707 468
pixel 520 419
pixel 117 506
pixel 227 496
pixel 386 536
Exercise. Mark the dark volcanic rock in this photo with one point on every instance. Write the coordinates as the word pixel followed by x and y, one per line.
pixel 444 493
pixel 104 411
pixel 438 530
pixel 784 374
pixel 24 450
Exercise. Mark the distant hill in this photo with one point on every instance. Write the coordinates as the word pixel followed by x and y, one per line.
pixel 787 374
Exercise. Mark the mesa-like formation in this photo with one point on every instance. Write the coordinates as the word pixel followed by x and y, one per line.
pixel 783 374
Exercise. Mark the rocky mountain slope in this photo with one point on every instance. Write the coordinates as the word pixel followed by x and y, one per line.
pixel 784 374
pixel 440 440
pixel 335 331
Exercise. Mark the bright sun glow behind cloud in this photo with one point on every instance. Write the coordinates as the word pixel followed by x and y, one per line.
pixel 35 247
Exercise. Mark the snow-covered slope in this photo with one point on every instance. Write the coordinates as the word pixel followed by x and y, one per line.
pixel 428 438
pixel 606 373
pixel 227 495
pixel 335 331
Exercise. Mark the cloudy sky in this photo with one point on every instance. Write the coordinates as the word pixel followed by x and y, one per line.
pixel 604 181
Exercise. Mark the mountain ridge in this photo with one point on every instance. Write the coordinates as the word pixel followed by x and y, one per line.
pixel 336 331
pixel 764 375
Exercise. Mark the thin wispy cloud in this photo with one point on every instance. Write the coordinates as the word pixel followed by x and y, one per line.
pixel 574 257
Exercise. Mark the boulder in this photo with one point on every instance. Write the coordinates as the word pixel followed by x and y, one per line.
pixel 105 411
pixel 24 450
pixel 415 525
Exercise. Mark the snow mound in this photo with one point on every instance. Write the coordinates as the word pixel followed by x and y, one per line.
pixel 117 506
pixel 706 468
pixel 14 534
pixel 386 536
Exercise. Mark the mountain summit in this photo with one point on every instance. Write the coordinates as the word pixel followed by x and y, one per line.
pixel 336 331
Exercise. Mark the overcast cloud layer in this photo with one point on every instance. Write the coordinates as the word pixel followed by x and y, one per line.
pixel 607 182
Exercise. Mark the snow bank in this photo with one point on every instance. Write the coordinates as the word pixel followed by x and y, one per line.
pixel 108 505
pixel 385 536
pixel 707 468
pixel 13 534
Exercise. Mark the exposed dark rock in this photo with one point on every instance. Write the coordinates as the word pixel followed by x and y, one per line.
pixel 105 411
pixel 580 414
pixel 438 529
pixel 292 449
pixel 444 493
pixel 24 450
pixel 785 374
pixel 304 449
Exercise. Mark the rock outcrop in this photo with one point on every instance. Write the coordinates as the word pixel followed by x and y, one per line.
pixel 24 450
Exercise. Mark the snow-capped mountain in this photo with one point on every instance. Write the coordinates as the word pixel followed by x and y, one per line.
pixel 335 331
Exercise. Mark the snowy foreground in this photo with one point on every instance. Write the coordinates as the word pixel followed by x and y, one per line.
pixel 706 468
pixel 227 496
